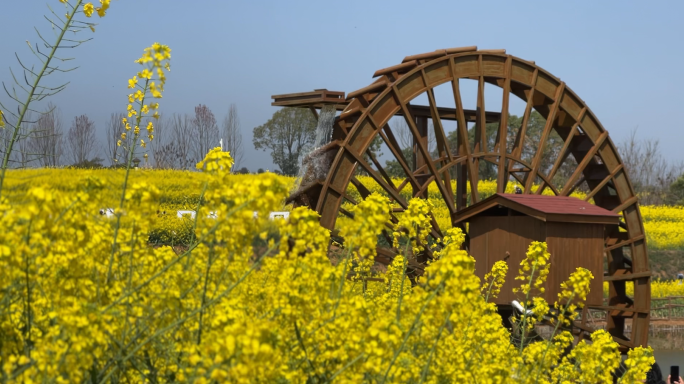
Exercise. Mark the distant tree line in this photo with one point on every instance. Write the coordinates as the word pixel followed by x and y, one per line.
pixel 180 140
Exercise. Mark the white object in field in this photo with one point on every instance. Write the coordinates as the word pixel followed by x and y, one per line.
pixel 107 212
pixel 279 215
pixel 181 213
pixel 274 215
pixel 212 215
pixel 221 143
pixel 520 308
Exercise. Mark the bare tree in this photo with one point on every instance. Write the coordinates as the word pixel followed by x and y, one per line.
pixel 171 146
pixel 650 173
pixel 205 132
pixel 23 155
pixel 46 141
pixel 113 130
pixel 232 136
pixel 177 152
pixel 81 141
pixel 405 137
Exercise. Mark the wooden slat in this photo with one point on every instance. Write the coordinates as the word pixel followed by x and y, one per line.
pixel 624 243
pixel 426 155
pixel 620 309
pixel 603 183
pixel 631 201
pixel 627 276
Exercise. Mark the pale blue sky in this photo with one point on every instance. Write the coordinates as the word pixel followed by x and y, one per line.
pixel 625 59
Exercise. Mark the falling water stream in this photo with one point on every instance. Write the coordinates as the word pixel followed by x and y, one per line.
pixel 311 164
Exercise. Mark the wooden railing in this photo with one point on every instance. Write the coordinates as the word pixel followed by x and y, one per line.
pixel 663 308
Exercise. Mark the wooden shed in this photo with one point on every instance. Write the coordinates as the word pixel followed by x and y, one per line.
pixel 506 224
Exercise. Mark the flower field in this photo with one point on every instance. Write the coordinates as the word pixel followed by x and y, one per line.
pixel 86 299
pixel 180 190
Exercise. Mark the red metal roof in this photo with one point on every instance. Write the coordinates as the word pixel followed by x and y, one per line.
pixel 558 205
pixel 546 208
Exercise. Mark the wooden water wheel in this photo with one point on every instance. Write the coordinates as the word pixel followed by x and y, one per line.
pixel 586 149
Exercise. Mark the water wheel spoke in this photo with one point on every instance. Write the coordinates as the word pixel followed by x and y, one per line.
pixel 583 164
pixel 562 156
pixel 463 146
pixel 519 143
pixel 503 130
pixel 378 179
pixel 410 120
pixel 390 140
pixel 382 171
pixel 550 119
pixel 443 149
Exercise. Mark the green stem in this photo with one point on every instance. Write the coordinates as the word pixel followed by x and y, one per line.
pixel 131 151
pixel 426 369
pixel 403 277
pixel 527 298
pixel 549 342
pixel 411 329
pixel 175 324
pixel 32 91
pixel 204 294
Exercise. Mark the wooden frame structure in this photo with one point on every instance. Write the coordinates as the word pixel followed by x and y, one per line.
pixel 366 113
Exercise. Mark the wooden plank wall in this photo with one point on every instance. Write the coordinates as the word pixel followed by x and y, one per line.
pixel 571 246
pixel 493 236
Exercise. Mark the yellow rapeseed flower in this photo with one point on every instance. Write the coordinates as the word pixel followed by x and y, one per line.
pixel 102 10
pixel 145 74
pixel 133 82
pixel 88 9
